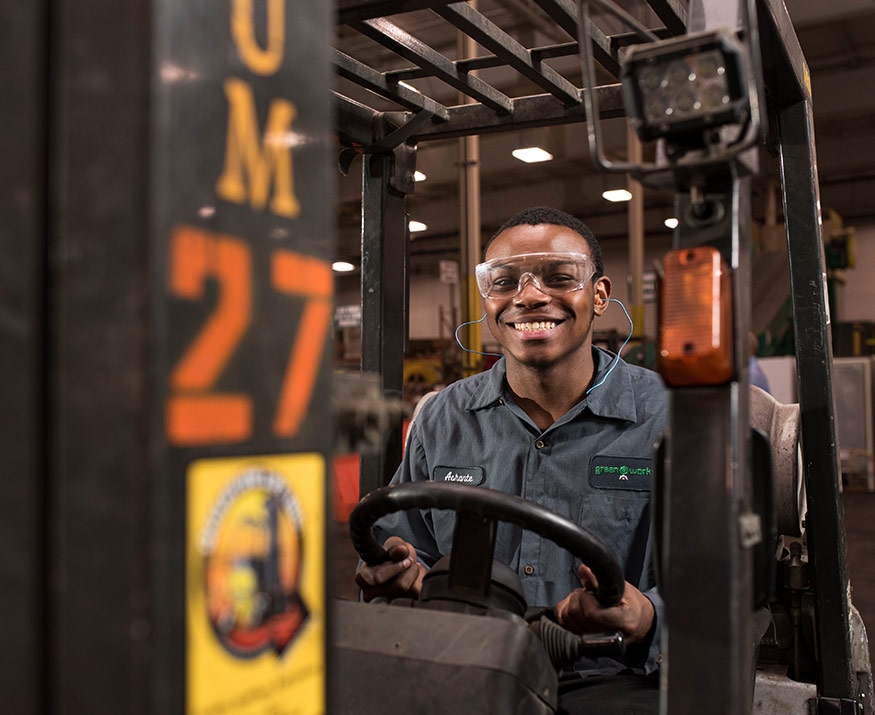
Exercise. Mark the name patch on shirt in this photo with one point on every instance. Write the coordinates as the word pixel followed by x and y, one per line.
pixel 472 476
pixel 629 473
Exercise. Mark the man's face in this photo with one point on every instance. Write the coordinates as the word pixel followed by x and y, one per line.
pixel 535 328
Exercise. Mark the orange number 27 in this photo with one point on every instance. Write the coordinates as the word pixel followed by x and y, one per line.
pixel 196 414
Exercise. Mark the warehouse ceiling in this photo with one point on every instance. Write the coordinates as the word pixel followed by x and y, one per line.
pixel 837 39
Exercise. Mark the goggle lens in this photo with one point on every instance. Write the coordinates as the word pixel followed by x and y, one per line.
pixel 552 273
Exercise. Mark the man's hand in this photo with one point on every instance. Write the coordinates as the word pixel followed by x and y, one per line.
pixel 581 612
pixel 401 576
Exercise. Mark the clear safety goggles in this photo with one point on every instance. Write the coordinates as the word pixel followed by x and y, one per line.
pixel 552 273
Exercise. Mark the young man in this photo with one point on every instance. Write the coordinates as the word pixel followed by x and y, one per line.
pixel 555 421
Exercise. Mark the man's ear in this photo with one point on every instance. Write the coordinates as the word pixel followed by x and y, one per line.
pixel 602 293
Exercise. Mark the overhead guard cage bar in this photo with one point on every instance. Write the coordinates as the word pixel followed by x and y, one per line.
pixel 385 121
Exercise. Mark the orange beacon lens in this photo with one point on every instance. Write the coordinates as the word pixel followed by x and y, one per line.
pixel 695 332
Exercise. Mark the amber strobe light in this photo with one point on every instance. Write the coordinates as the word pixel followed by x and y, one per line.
pixel 695 332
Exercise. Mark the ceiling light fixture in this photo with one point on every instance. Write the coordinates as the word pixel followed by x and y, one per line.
pixel 416 226
pixel 532 154
pixel 342 267
pixel 616 195
pixel 671 223
pixel 419 176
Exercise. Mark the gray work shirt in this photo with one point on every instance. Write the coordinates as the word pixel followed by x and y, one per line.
pixel 592 466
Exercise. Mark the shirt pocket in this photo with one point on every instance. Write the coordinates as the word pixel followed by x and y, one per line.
pixel 620 520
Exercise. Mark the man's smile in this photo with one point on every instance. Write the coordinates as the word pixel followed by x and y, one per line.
pixel 530 327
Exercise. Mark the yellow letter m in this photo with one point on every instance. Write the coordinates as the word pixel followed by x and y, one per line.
pixel 260 160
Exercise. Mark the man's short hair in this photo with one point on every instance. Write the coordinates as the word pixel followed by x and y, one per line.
pixel 536 215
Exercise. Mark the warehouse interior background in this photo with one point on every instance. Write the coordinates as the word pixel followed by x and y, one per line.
pixel 838 42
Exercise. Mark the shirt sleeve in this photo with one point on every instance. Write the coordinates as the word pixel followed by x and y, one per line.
pixel 415 526
pixel 654 651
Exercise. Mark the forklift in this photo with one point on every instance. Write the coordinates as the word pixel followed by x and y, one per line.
pixel 167 422
pixel 747 514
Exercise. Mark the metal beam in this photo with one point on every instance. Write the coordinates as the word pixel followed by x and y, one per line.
pixel 825 526
pixel 384 287
pixel 404 44
pixel 377 83
pixel 25 54
pixel 511 52
pixel 538 54
pixel 541 110
pixel 565 13
pixel 707 581
pixel 782 56
pixel 350 11
pixel 671 13
pixel 354 120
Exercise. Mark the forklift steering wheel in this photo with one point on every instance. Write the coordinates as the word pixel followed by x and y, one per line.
pixel 488 506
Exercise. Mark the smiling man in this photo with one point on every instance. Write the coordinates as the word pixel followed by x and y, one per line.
pixel 557 421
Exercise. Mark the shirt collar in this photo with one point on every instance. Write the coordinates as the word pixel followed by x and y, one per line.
pixel 493 389
pixel 612 398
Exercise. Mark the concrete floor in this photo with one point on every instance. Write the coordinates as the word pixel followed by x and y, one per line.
pixel 859 511
pixel 860 547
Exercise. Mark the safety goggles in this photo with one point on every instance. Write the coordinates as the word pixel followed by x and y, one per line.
pixel 552 273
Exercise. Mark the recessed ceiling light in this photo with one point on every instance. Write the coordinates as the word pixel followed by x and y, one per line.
pixel 671 223
pixel 617 195
pixel 342 267
pixel 419 176
pixel 416 226
pixel 532 154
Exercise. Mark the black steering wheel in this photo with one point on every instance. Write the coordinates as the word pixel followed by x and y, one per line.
pixel 487 506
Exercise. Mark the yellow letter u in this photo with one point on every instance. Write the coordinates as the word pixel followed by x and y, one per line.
pixel 264 62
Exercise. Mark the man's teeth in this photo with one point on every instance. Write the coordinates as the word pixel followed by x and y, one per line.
pixel 531 327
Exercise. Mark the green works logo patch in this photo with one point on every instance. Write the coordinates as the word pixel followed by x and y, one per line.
pixel 626 473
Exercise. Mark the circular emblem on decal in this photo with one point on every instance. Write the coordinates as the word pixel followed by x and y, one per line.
pixel 252 551
pixel 624 469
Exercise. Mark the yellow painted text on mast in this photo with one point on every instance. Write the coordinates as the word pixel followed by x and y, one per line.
pixel 258 160
pixel 261 61
pixel 268 157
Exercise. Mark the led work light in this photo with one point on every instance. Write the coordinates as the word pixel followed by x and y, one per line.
pixel 682 87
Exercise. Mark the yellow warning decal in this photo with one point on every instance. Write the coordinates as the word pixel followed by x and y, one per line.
pixel 255 586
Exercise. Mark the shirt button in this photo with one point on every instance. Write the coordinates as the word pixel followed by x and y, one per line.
pixel 529 570
pixel 539 444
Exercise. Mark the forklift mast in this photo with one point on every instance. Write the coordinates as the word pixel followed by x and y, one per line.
pixel 166 296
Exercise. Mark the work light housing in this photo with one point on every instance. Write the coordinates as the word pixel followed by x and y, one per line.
pixel 678 89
